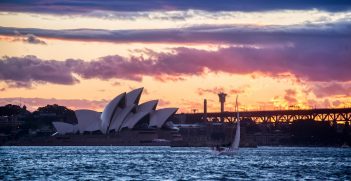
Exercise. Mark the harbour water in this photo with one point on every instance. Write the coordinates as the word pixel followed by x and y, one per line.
pixel 165 163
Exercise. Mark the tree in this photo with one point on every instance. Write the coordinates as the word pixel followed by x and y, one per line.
pixel 63 112
pixel 12 110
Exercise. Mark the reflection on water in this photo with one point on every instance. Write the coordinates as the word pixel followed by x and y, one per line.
pixel 160 163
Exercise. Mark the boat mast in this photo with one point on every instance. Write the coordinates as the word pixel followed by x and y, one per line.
pixel 236 142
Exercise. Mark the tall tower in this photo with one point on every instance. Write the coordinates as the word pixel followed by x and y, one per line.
pixel 205 110
pixel 205 106
pixel 222 100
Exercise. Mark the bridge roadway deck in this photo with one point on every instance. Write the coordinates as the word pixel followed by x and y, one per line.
pixel 337 114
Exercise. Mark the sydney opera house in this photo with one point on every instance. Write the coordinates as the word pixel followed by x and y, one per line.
pixel 123 119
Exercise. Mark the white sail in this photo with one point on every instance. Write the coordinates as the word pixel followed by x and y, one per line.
pixel 236 142
pixel 234 147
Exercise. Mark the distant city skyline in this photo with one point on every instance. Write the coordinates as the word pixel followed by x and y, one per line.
pixel 80 54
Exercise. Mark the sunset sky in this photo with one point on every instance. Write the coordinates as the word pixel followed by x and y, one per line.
pixel 81 54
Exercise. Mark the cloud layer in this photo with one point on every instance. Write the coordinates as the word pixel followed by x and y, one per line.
pixel 23 71
pixel 311 61
pixel 28 38
pixel 332 89
pixel 80 6
pixel 239 34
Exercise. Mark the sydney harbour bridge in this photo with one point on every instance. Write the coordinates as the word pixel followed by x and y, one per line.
pixel 340 115
pixel 276 116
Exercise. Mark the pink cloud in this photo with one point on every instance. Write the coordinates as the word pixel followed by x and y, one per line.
pixel 290 97
pixel 163 103
pixel 304 62
pixel 322 90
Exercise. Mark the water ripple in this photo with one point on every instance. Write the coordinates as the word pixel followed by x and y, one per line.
pixel 164 163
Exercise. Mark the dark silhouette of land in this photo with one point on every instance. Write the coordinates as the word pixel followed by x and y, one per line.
pixel 17 123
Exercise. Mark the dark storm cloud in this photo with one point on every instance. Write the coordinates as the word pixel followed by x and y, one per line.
pixel 80 6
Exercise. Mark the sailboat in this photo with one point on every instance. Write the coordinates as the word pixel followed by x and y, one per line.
pixel 234 146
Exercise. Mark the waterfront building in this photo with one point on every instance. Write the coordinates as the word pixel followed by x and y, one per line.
pixel 121 113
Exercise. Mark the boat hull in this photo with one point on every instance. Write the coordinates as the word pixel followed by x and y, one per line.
pixel 227 152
